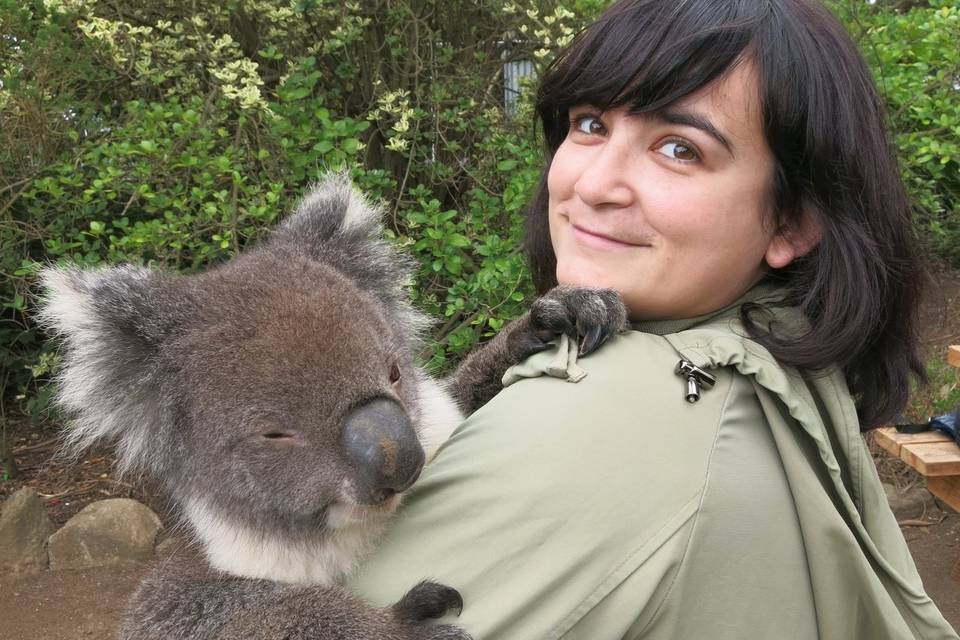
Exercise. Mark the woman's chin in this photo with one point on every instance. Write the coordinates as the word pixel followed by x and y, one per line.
pixel 585 274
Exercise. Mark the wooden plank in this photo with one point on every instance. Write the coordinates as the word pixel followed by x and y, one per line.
pixel 886 438
pixel 932 458
pixel 891 440
pixel 947 488
pixel 953 355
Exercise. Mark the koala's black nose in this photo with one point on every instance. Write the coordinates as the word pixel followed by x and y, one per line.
pixel 383 449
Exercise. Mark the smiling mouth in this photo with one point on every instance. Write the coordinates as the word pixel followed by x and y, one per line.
pixel 600 241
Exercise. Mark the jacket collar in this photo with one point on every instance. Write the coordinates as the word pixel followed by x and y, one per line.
pixel 762 293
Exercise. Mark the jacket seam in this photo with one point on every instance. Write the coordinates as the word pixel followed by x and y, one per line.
pixel 580 611
pixel 696 517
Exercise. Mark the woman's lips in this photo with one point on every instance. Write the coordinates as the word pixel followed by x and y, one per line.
pixel 600 241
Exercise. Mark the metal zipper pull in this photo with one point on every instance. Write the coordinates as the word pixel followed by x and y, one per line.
pixel 696 378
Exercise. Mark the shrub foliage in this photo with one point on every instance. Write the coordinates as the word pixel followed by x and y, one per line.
pixel 171 134
pixel 913 50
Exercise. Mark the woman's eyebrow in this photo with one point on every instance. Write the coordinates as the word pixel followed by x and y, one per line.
pixel 691 119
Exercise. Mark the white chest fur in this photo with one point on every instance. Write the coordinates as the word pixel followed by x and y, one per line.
pixel 241 551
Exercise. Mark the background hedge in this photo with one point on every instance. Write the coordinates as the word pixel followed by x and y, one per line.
pixel 172 133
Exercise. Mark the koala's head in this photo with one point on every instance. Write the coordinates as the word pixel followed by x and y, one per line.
pixel 277 390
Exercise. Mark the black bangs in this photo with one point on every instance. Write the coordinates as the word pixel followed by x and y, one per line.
pixel 645 54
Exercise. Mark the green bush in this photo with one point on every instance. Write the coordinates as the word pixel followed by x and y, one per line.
pixel 915 57
pixel 150 132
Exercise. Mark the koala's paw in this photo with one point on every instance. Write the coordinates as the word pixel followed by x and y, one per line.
pixel 428 600
pixel 590 315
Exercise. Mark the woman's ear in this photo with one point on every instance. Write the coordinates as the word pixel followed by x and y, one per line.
pixel 793 240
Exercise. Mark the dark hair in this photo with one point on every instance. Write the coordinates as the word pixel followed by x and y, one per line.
pixel 824 122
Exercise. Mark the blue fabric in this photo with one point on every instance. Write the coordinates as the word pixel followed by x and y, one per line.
pixel 947 423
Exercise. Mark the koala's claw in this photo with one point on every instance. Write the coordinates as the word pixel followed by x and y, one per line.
pixel 428 600
pixel 592 339
pixel 591 315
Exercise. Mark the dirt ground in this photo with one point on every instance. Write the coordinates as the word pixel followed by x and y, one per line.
pixel 935 549
pixel 68 605
pixel 65 605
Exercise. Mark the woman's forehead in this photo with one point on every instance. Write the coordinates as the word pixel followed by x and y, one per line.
pixel 731 103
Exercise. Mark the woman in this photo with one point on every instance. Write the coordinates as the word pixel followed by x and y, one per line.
pixel 723 166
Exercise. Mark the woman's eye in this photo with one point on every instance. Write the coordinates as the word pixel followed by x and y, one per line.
pixel 678 150
pixel 588 124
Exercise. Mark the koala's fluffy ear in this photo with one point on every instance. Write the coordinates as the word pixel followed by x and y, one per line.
pixel 333 209
pixel 335 224
pixel 111 325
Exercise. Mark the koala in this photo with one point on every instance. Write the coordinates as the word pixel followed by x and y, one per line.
pixel 276 401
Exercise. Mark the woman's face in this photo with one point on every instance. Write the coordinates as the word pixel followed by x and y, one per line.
pixel 667 208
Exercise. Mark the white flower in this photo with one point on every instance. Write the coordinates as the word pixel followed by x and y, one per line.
pixel 398 144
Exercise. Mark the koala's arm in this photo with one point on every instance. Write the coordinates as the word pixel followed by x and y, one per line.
pixel 590 315
pixel 190 601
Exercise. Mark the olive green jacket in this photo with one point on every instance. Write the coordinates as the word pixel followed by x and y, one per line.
pixel 613 508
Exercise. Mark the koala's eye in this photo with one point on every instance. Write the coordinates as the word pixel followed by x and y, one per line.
pixel 282 436
pixel 394 373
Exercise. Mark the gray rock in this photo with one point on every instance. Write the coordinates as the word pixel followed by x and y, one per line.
pixel 908 503
pixel 24 529
pixel 106 533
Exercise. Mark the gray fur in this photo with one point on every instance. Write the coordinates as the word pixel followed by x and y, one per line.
pixel 109 379
pixel 231 388
pixel 185 602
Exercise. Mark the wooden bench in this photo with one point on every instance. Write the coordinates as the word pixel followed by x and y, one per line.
pixel 932 454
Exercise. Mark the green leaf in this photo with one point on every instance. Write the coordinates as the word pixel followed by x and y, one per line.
pixel 458 240
pixel 18 303
pixel 294 94
pixel 323 147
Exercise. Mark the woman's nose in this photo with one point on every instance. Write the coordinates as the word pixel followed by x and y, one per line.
pixel 606 178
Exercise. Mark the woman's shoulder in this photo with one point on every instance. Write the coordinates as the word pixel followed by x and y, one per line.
pixel 636 372
pixel 636 369
pixel 627 405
